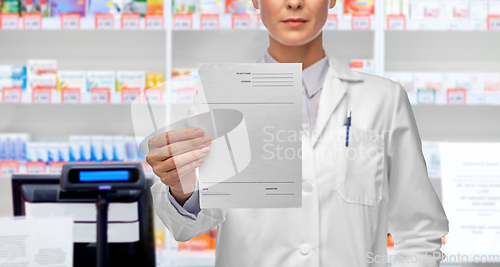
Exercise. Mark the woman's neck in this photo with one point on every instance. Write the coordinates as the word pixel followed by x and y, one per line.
pixel 307 54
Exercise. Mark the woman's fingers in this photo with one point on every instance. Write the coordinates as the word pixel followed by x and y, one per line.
pixel 178 148
pixel 183 159
pixel 176 154
pixel 175 178
pixel 173 136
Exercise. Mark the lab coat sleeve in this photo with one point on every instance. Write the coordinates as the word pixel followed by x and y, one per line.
pixel 183 227
pixel 416 217
pixel 183 222
pixel 191 207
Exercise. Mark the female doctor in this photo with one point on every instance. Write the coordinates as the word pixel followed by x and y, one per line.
pixel 349 204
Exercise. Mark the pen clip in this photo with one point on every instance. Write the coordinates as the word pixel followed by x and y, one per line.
pixel 348 118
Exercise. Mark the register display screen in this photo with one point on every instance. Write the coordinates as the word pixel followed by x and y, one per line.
pixel 104 176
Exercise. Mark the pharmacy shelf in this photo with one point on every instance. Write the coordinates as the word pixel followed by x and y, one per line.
pixel 447 25
pixel 87 50
pixel 450 51
pixel 458 123
pixel 197 21
pixel 194 47
pixel 160 98
pixel 442 25
pixel 86 23
pixel 57 97
pixel 471 99
pixel 55 123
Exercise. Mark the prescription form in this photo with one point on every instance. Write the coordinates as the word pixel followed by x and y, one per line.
pixel 251 165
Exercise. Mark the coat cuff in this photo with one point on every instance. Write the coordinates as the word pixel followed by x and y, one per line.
pixel 191 207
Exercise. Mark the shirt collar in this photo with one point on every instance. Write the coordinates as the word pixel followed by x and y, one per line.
pixel 312 77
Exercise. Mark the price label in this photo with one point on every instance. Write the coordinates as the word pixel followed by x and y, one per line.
pixel 11 94
pixel 361 23
pixel 41 95
pixel 154 22
pixel 426 96
pixel 71 95
pixel 130 94
pixel 494 23
pixel 130 21
pixel 209 21
pixel 104 21
pixel 332 23
pixel 396 22
pixel 241 21
pixel 183 21
pixel 35 167
pixel 185 95
pixel 423 25
pixel 56 167
pixel 99 95
pixel 482 99
pixel 10 21
pixel 456 96
pixel 453 26
pixel 70 21
pixel 7 168
pixel 154 96
pixel 32 21
pixel 480 25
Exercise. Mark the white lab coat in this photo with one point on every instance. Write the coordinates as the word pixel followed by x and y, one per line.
pixel 348 205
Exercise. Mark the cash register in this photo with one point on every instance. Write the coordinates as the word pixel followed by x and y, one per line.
pixel 78 192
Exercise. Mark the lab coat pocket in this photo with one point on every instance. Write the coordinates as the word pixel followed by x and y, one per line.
pixel 362 167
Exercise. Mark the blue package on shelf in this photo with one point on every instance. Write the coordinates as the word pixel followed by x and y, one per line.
pixel 85 154
pixel 3 146
pixel 12 71
pixel 74 148
pixel 59 7
pixel 63 152
pixel 100 6
pixel 21 141
pixel 96 148
pixel 19 82
pixel 119 148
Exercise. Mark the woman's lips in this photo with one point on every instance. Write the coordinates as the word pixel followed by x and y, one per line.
pixel 295 22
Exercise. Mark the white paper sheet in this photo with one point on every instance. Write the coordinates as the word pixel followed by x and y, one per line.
pixel 471 197
pixel 34 242
pixel 251 164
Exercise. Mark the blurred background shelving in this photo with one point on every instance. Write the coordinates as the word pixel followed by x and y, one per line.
pixel 392 40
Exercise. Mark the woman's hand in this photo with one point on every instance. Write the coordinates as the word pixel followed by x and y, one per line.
pixel 175 155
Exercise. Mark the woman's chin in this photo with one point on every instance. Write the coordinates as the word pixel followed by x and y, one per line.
pixel 293 38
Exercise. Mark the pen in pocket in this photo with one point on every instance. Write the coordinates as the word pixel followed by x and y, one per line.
pixel 348 124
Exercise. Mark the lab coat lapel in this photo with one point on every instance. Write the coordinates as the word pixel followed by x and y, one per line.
pixel 332 93
pixel 334 90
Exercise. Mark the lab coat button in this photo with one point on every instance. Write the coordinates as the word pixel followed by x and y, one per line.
pixel 307 187
pixel 304 126
pixel 305 249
